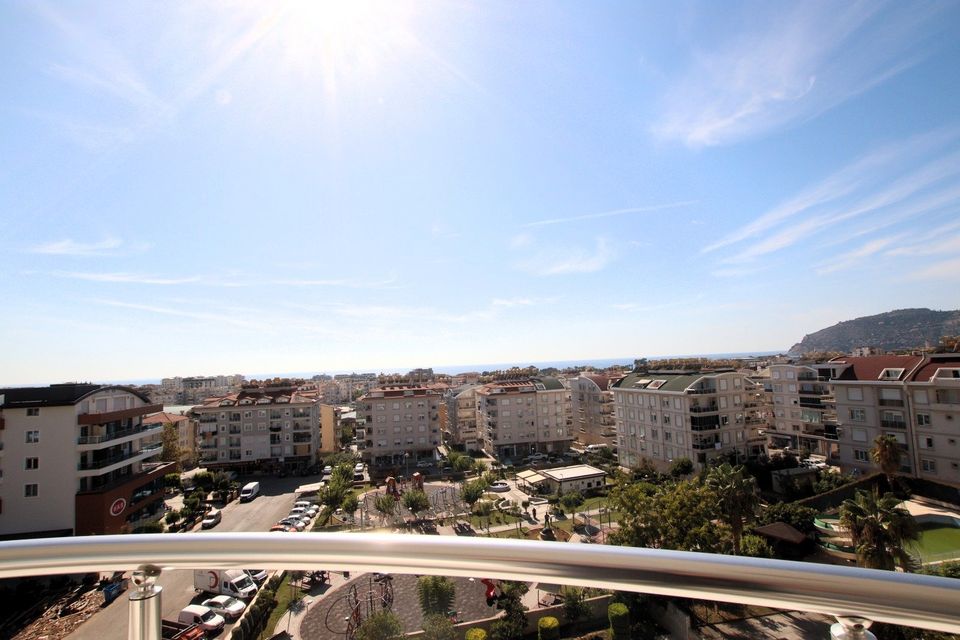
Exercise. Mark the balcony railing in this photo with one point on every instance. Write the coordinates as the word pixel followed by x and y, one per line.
pixel 116 435
pixel 100 464
pixel 703 409
pixel 883 402
pixel 893 424
pixel 854 596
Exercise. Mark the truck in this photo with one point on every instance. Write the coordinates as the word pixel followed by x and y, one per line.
pixel 174 630
pixel 230 582
pixel 249 491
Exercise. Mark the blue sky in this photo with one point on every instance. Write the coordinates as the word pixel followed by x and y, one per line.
pixel 193 188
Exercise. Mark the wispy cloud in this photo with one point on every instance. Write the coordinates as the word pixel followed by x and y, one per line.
pixel 522 302
pixel 70 247
pixel 124 278
pixel 852 258
pixel 565 261
pixel 945 270
pixel 241 321
pixel 792 66
pixel 893 184
pixel 612 213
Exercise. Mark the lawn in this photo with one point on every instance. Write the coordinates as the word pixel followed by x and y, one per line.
pixel 285 595
pixel 938 542
pixel 512 533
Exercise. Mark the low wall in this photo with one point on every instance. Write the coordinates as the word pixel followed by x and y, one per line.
pixel 597 607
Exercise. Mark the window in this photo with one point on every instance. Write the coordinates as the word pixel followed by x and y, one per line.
pixel 31 490
pixel 858 415
pixel 34 412
pixel 920 396
pixel 928 465
pixel 32 463
pixel 923 419
pixel 859 435
pixel 855 393
pixel 33 436
pixel 861 455
pixel 926 443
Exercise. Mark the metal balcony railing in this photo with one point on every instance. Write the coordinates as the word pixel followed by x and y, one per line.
pixel 854 596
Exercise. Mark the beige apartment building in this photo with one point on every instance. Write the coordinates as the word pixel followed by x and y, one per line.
pixel 186 434
pixel 516 418
pixel 915 399
pixel 269 428
pixel 402 424
pixel 804 416
pixel 460 425
pixel 77 459
pixel 592 406
pixel 665 415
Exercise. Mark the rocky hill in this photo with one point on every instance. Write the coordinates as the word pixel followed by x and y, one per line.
pixel 890 331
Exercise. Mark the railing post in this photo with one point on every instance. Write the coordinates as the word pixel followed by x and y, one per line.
pixel 851 628
pixel 145 609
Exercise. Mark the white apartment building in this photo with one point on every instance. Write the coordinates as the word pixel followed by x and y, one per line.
pixel 402 424
pixel 77 459
pixel 804 413
pixel 460 429
pixel 916 399
pixel 268 428
pixel 518 417
pixel 592 406
pixel 664 415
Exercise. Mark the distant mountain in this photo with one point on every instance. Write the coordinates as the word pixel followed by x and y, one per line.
pixel 900 329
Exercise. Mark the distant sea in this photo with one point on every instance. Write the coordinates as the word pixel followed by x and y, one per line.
pixel 599 363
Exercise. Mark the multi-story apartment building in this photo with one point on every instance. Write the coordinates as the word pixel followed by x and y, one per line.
pixel 460 425
pixel 916 399
pixel 186 434
pixel 192 390
pixel 591 401
pixel 517 417
pixel 273 427
pixel 804 416
pixel 73 460
pixel 402 423
pixel 664 415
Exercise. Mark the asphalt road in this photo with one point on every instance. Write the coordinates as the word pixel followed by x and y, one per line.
pixel 274 502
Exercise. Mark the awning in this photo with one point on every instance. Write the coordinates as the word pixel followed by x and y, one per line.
pixel 531 477
pixel 307 488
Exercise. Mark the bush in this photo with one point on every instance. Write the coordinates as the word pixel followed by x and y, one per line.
pixel 619 617
pixel 476 633
pixel 150 527
pixel 548 628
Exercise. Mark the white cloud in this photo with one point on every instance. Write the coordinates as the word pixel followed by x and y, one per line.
pixel 945 270
pixel 522 302
pixel 612 213
pixel 852 258
pixel 565 261
pixel 239 320
pixel 124 278
pixel 792 66
pixel 70 247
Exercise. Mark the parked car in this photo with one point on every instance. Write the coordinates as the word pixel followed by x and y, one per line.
pixel 211 520
pixel 425 464
pixel 228 607
pixel 327 470
pixel 293 523
pixel 297 511
pixel 203 617
pixel 259 576
pixel 537 457
pixel 282 527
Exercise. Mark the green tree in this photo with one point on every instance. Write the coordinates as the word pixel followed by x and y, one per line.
pixel 755 547
pixel 350 504
pixel 172 517
pixel 343 472
pixel 886 452
pixel 737 498
pixel 438 627
pixel 382 625
pixel 471 492
pixel 332 495
pixel 475 633
pixel 514 619
pixel 460 462
pixel 574 604
pixel 879 529
pixel 385 504
pixel 679 516
pixel 171 444
pixel 173 481
pixel 795 515
pixel 571 500
pixel 415 501
pixel 548 628
pixel 436 594
pixel 619 617
pixel 681 466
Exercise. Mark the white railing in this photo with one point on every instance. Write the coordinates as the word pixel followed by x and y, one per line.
pixel 850 594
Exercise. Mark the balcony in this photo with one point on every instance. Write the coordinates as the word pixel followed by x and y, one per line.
pixel 883 596
pixel 120 433
pixel 114 416
pixel 889 403
pixel 701 391
pixel 103 463
pixel 893 424
pixel 709 408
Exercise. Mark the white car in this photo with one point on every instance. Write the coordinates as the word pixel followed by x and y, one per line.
pixel 204 617
pixel 327 470
pixel 298 511
pixel 226 606
pixel 536 457
pixel 296 523
pixel 425 464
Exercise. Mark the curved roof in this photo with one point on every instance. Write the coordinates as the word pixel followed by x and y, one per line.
pixel 58 394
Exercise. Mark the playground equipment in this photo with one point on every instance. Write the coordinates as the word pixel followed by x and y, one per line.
pixel 417 481
pixel 357 607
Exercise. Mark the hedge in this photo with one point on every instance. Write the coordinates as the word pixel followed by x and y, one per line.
pixel 548 628
pixel 619 617
pixel 475 633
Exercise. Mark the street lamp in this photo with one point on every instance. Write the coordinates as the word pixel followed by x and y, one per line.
pixel 406 464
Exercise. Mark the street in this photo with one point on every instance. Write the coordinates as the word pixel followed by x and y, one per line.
pixel 274 502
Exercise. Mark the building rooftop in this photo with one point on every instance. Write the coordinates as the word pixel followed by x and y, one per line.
pixel 163 417
pixel 654 381
pixel 573 472
pixel 55 395
pixel 873 367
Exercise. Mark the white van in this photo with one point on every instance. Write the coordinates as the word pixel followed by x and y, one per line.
pixel 249 491
pixel 202 616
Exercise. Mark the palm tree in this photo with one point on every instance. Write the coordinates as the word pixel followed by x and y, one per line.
pixel 886 452
pixel 737 499
pixel 879 529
